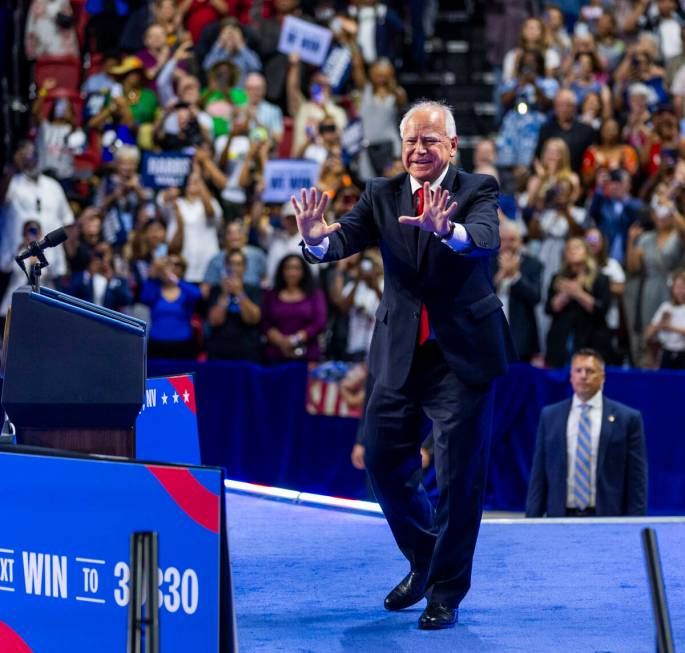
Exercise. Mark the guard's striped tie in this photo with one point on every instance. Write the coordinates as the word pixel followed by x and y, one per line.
pixel 581 476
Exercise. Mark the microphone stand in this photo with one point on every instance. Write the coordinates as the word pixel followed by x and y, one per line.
pixel 34 273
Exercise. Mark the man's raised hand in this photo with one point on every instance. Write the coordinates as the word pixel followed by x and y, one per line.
pixel 436 214
pixel 310 217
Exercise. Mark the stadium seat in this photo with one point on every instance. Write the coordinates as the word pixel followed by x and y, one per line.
pixel 66 70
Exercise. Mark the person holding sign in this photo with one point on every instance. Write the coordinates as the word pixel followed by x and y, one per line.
pixel 440 339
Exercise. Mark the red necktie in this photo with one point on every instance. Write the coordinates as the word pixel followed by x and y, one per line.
pixel 424 324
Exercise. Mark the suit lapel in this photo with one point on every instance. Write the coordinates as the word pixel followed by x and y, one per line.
pixel 448 183
pixel 562 442
pixel 608 419
pixel 405 206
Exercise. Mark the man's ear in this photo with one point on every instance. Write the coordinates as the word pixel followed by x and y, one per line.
pixel 454 142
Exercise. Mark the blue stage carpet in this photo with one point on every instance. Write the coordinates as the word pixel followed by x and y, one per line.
pixel 313 580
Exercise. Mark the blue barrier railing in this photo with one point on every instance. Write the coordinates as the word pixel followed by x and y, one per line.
pixel 253 422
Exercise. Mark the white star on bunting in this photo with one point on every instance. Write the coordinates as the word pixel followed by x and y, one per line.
pixel 165 396
pixel 175 396
pixel 186 396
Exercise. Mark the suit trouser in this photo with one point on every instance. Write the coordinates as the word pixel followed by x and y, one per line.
pixel 440 541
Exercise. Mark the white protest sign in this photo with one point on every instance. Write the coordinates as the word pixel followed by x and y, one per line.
pixel 310 41
pixel 286 177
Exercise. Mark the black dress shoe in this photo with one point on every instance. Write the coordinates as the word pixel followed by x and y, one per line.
pixel 437 616
pixel 411 589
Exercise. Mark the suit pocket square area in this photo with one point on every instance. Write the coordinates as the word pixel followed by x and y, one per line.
pixel 484 306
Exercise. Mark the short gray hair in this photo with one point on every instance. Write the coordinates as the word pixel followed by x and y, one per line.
pixel 422 105
pixel 127 152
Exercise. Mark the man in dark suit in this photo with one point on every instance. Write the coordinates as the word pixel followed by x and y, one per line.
pixel 439 341
pixel 590 456
pixel 518 280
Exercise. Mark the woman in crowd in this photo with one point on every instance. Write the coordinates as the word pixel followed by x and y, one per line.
pixel 578 299
pixel 584 79
pixel 609 154
pixel 155 54
pixel 638 67
pixel 50 30
pixel 294 313
pixel 651 258
pixel 533 36
pixel 59 137
pixel 234 314
pixel 525 100
pixel 358 299
pixel 668 327
pixel 554 166
pixel 638 123
pixel 147 243
pixel 591 110
pixel 172 303
pixel 193 220
pixel 381 103
pixel 599 251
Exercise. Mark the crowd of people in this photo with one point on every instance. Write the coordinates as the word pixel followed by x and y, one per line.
pixel 590 159
pixel 588 153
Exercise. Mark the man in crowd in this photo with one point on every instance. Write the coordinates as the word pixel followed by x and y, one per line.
pixel 577 135
pixel 590 456
pixel 518 280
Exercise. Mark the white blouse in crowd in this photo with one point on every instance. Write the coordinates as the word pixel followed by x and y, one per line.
pixel 200 238
pixel 669 340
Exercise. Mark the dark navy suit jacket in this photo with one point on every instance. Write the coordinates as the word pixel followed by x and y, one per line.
pixel 116 296
pixel 621 463
pixel 456 287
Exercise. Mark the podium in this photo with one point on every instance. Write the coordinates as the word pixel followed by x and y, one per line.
pixel 73 373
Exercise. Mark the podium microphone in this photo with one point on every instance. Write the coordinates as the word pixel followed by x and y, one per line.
pixel 35 248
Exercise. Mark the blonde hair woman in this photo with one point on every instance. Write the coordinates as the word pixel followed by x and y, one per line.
pixel 553 166
pixel 577 301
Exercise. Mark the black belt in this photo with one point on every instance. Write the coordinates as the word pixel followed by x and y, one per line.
pixel 577 512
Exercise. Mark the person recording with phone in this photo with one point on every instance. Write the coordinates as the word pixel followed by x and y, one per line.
pixel 172 303
pixel 358 298
pixel 294 313
pixel 99 284
pixel 310 111
pixel 231 46
pixel 323 140
pixel 234 314
pixel 526 100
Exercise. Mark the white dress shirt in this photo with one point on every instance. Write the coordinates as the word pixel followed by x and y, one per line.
pixel 595 417
pixel 460 238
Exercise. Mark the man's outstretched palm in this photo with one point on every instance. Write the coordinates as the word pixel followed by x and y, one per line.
pixel 436 214
pixel 310 217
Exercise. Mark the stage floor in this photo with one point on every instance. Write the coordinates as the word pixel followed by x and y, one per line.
pixel 313 580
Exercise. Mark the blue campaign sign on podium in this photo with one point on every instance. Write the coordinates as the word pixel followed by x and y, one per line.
pixel 64 553
pixel 166 428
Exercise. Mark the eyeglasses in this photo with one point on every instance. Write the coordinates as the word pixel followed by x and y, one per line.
pixel 428 141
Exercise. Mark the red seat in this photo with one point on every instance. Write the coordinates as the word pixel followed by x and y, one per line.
pixel 65 70
pixel 286 146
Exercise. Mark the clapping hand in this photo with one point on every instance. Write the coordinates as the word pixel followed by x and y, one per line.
pixel 310 217
pixel 436 214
